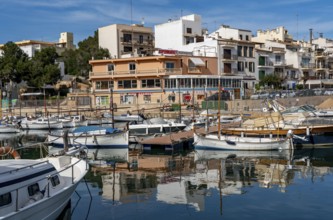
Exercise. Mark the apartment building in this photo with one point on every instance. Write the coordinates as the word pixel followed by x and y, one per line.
pixel 232 47
pixel 153 80
pixel 305 63
pixel 126 40
pixel 174 34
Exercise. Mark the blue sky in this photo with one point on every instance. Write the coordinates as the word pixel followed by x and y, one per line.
pixel 46 19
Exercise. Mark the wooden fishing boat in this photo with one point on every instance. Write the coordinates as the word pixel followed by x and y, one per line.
pixel 226 142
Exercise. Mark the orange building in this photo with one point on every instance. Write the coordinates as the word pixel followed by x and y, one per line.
pixel 154 81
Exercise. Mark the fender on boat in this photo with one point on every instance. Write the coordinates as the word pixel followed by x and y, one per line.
pixel 11 151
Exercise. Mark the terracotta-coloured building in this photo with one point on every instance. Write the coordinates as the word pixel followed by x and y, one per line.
pixel 154 81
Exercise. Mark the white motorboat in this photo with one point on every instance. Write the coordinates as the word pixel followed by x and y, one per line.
pixel 226 142
pixel 91 137
pixel 72 121
pixel 40 124
pixel 38 189
pixel 124 117
pixel 155 126
pixel 9 128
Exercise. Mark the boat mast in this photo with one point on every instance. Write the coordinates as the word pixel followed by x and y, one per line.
pixel 180 103
pixel 219 110
pixel 111 106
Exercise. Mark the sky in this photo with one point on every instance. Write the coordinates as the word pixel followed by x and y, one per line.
pixel 45 19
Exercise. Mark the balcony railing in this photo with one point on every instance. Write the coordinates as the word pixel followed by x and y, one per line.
pixel 229 57
pixel 265 64
pixel 194 70
pixel 166 71
pixel 232 71
pixel 280 63
pixel 307 65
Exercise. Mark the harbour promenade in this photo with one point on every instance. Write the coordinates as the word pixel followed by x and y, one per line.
pixel 246 107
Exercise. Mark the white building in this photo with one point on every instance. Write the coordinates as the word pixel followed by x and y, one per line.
pixel 31 46
pixel 174 34
pixel 126 40
pixel 232 47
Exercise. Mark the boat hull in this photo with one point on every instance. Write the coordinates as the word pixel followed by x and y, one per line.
pixel 115 140
pixel 41 126
pixel 212 142
pixel 298 131
pixel 54 198
pixel 8 129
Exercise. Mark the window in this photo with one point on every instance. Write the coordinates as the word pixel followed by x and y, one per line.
pixel 140 39
pixel 33 189
pixel 245 51
pixel 250 51
pixel 251 67
pixel 127 49
pixel 55 180
pixel 239 51
pixel 169 65
pixel 104 84
pixel 127 37
pixel 127 84
pixel 247 37
pixel 189 30
pixel 240 37
pixel 5 199
pixel 278 58
pixel 189 40
pixel 110 67
pixel 132 67
pixel 147 98
pixel 240 66
pixel 150 83
pixel 170 83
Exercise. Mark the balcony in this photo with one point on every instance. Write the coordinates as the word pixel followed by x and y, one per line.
pixel 230 72
pixel 194 70
pixel 128 73
pixel 307 65
pixel 267 64
pixel 280 63
pixel 228 57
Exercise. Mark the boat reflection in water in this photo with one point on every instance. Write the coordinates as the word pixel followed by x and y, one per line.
pixel 207 184
pixel 192 180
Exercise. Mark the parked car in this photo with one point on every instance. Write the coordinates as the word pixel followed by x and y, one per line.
pixel 263 95
pixel 254 96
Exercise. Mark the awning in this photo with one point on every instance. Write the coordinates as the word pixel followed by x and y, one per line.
pixel 328 82
pixel 32 94
pixel 197 61
pixel 313 82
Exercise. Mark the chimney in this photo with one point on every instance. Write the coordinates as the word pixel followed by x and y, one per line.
pixel 310 35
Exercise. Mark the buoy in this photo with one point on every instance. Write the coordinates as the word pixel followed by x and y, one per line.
pixel 11 151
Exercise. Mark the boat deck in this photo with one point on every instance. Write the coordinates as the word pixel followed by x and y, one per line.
pixel 16 165
pixel 178 137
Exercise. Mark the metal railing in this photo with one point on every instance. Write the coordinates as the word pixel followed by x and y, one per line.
pixel 143 72
pixel 47 178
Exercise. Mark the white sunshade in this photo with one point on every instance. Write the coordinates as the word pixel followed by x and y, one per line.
pixel 197 61
pixel 313 81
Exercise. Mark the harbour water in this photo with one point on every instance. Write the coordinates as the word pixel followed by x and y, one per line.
pixel 203 185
